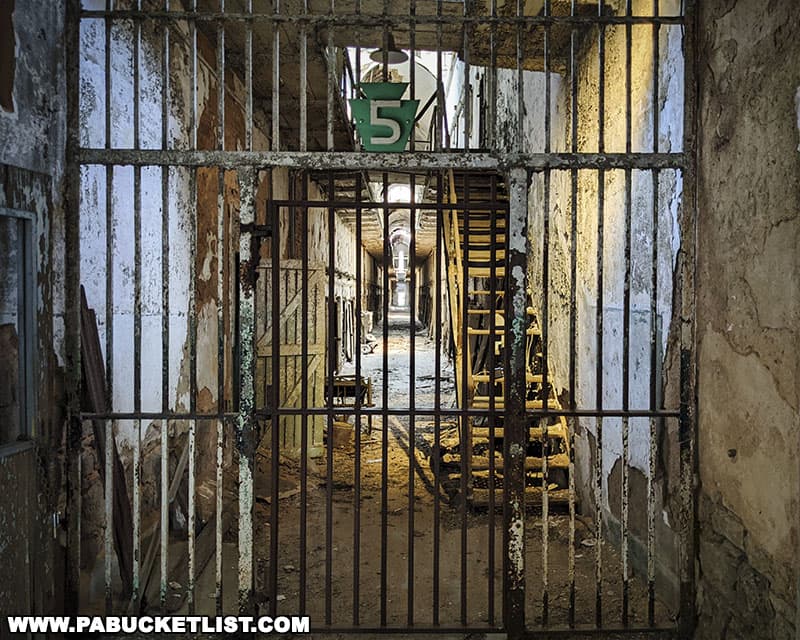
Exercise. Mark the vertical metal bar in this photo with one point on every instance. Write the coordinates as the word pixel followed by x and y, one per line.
pixel 193 124
pixel 599 328
pixel 467 83
pixel 248 184
pixel 276 78
pixel 109 425
pixel 493 77
pixel 332 359
pixel 72 342
pixel 412 68
pixel 165 343
pixel 626 327
pixel 387 260
pixel 304 453
pixel 137 311
pixel 275 400
pixel 515 430
pixel 687 425
pixel 655 338
pixel 520 137
pixel 221 253
pixel 466 376
pixel 437 420
pixel 440 105
pixel 248 89
pixel 247 187
pixel 492 401
pixel 330 55
pixel 304 82
pixel 359 391
pixel 573 308
pixel 412 432
pixel 545 326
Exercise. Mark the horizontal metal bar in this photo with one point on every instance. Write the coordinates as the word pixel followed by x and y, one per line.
pixel 419 411
pixel 373 20
pixel 378 206
pixel 152 415
pixel 335 160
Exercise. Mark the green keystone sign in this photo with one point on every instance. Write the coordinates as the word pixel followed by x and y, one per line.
pixel 383 120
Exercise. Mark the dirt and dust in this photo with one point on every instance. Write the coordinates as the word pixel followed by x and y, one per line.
pixel 376 527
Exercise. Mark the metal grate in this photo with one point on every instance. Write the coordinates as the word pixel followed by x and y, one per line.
pixel 232 224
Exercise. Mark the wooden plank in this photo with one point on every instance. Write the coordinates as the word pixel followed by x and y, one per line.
pixel 94 385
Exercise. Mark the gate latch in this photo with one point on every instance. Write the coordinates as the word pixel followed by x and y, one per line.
pixel 257 233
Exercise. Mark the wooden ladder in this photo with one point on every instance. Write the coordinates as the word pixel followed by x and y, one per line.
pixel 475 237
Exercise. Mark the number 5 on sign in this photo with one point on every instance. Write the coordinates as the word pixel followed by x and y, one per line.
pixel 383 120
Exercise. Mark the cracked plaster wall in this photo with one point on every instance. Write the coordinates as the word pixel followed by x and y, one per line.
pixel 747 310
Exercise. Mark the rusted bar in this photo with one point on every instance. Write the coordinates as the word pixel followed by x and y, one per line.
pixel 655 338
pixel 515 430
pixel 519 145
pixel 357 461
pixel 599 327
pixel 221 253
pixel 246 366
pixel 387 257
pixel 248 81
pixel 109 329
pixel 545 327
pixel 440 106
pixel 275 398
pixel 330 61
pixel 191 507
pixel 137 316
pixel 467 84
pixel 303 93
pixel 437 419
pixel 350 19
pixel 493 417
pixel 466 371
pixel 276 79
pixel 573 307
pixel 165 319
pixel 492 115
pixel 412 432
pixel 365 161
pixel 304 445
pixel 331 371
pixel 626 329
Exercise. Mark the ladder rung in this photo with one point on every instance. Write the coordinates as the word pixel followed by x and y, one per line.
pixel 533 331
pixel 556 461
pixel 485 377
pixel 486 272
pixel 480 312
pixel 554 431
pixel 482 402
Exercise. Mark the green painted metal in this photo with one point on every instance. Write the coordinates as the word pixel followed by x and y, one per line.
pixel 384 121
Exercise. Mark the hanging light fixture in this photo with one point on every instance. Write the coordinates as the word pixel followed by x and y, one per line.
pixel 393 54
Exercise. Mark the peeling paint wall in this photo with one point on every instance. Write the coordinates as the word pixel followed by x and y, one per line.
pixel 747 311
pixel 606 227
pixel 32 138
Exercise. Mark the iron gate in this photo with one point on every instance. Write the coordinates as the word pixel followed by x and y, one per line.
pixel 238 209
